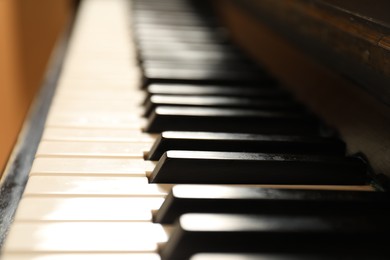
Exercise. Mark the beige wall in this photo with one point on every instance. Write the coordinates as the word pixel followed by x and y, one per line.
pixel 28 32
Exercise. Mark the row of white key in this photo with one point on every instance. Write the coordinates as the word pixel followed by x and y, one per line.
pixel 88 196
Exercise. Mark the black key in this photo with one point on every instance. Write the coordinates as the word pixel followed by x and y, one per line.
pixel 180 6
pixel 291 256
pixel 178 19
pixel 163 6
pixel 150 28
pixel 257 168
pixel 266 92
pixel 195 233
pixel 165 118
pixel 221 256
pixel 183 46
pixel 158 17
pixel 219 102
pixel 202 75
pixel 251 200
pixel 242 66
pixel 192 55
pixel 178 35
pixel 260 91
pixel 233 142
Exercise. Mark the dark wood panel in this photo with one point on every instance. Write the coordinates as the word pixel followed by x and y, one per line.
pixel 344 37
pixel 361 119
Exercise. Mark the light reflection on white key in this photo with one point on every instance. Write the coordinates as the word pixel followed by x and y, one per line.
pixel 88 104
pixel 92 149
pixel 91 167
pixel 106 120
pixel 96 134
pixel 96 85
pixel 85 256
pixel 76 186
pixel 127 95
pixel 88 237
pixel 87 209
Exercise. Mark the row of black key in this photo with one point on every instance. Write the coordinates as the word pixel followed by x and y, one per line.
pixel 243 129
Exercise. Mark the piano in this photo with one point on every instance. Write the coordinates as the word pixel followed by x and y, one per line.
pixel 157 136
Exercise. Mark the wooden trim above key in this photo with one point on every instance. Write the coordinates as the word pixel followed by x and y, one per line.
pixel 363 121
pixel 351 37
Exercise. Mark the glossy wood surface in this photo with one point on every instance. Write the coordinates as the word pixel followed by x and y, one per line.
pixel 362 120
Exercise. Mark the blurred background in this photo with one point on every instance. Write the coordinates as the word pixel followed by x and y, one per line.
pixel 29 30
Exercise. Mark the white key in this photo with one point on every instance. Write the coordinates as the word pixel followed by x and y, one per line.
pixel 101 256
pixel 106 64
pixel 88 120
pixel 95 85
pixel 99 67
pixel 92 149
pixel 115 67
pixel 101 76
pixel 129 112
pixel 96 134
pixel 87 209
pixel 128 95
pixel 91 167
pixel 85 237
pixel 65 105
pixel 93 186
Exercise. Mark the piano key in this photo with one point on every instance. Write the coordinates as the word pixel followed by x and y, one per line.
pixel 107 66
pixel 169 28
pixel 81 256
pixel 79 186
pixel 91 167
pixel 102 71
pixel 257 168
pixel 196 36
pixel 166 118
pixel 229 199
pixel 191 15
pixel 62 104
pixel 236 256
pixel 125 94
pixel 96 134
pixel 193 55
pixel 179 19
pixel 77 107
pixel 93 120
pixel 196 233
pixel 289 256
pixel 233 142
pixel 105 76
pixel 260 91
pixel 82 53
pixel 166 46
pixel 85 237
pixel 136 209
pixel 92 149
pixel 242 66
pixel 218 102
pixel 201 75
pixel 163 6
pixel 92 84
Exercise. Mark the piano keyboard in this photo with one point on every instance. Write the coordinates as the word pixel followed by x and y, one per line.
pixel 89 194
